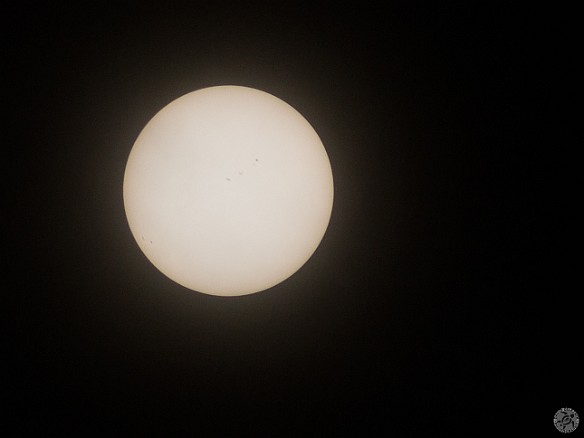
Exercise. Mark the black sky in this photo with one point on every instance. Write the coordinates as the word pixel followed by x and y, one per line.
pixel 443 299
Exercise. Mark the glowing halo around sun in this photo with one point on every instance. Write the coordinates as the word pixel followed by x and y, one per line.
pixel 228 190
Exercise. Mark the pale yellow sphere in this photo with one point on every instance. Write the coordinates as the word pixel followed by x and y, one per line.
pixel 228 190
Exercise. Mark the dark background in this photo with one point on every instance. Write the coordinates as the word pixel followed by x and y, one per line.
pixel 443 299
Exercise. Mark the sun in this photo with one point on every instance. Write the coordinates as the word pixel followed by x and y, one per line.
pixel 228 190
